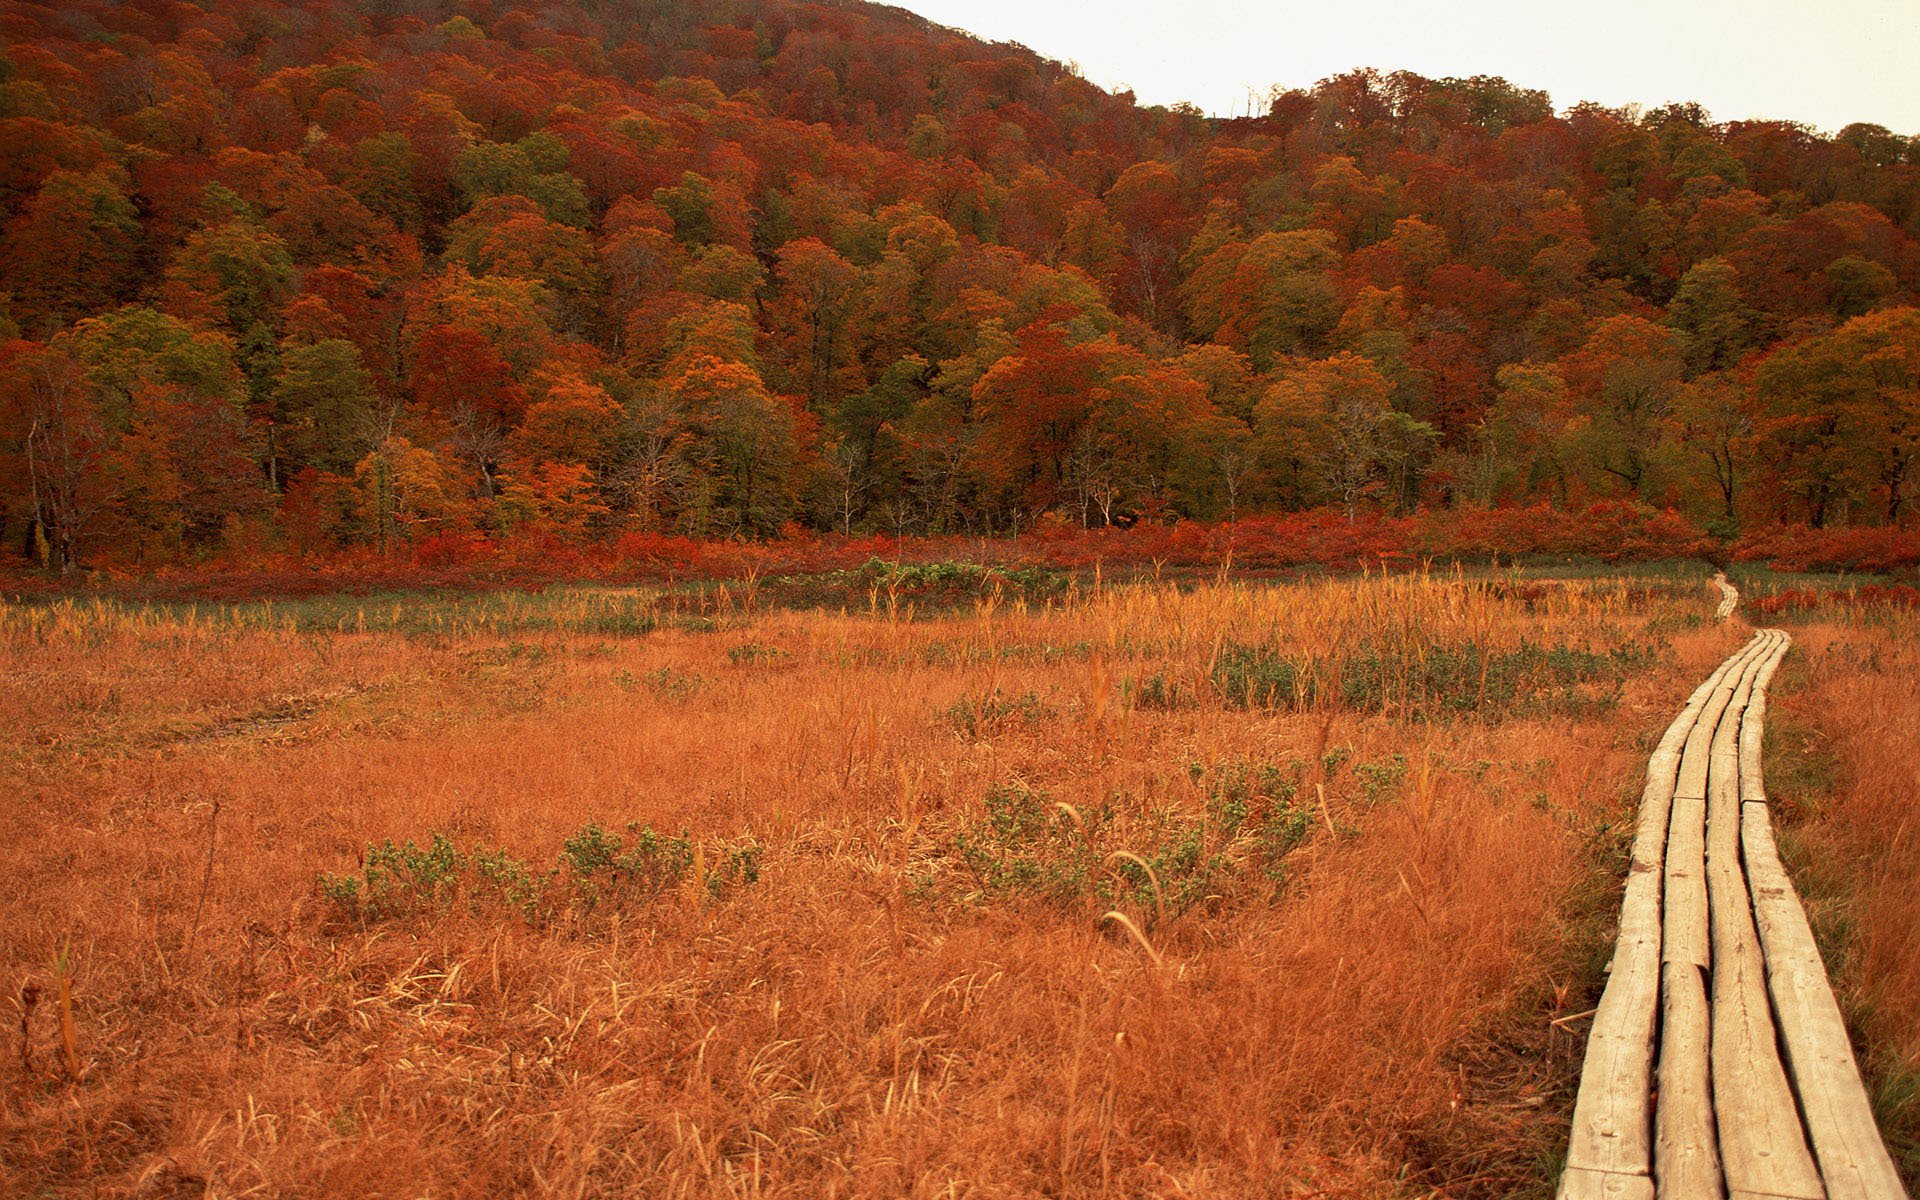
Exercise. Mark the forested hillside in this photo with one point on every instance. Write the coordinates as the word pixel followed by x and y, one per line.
pixel 284 276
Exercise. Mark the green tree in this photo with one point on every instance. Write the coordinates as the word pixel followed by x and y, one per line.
pixel 1714 428
pixel 1716 325
pixel 1839 418
pixel 1328 430
pixel 1622 383
pixel 745 443
pixel 323 410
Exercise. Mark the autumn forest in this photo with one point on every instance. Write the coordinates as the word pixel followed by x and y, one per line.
pixel 296 278
pixel 766 599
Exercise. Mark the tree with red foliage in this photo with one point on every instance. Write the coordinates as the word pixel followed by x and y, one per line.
pixel 713 267
pixel 73 250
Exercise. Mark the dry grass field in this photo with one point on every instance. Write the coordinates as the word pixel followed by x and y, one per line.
pixel 1143 889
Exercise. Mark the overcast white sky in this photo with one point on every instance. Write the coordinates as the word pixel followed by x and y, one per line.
pixel 1826 63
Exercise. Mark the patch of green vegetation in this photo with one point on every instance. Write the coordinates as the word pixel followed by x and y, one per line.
pixel 950 577
pixel 396 879
pixel 755 654
pixel 1896 1108
pixel 513 654
pixel 1025 843
pixel 927 587
pixel 664 682
pixel 1380 781
pixel 989 713
pixel 595 869
pixel 1460 680
pixel 1157 692
pixel 1259 800
pixel 441 617
pixel 1159 862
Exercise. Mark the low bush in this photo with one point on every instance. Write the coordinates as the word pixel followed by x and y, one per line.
pixel 595 869
pixel 1465 680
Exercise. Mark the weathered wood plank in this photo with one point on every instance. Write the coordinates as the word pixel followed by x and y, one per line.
pixel 1686 1161
pixel 1729 597
pixel 1685 933
pixel 1763 1150
pixel 1684 930
pixel 1613 1115
pixel 1694 759
pixel 1753 728
pixel 1686 1165
pixel 1854 1163
pixel 1581 1184
pixel 1714 950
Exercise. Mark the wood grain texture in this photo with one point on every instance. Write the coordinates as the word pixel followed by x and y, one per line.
pixel 1854 1163
pixel 1580 1184
pixel 1613 1114
pixel 1763 1148
pixel 1718 1065
pixel 1695 757
pixel 1686 1161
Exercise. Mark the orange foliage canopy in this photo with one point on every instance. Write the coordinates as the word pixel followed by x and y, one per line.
pixel 773 264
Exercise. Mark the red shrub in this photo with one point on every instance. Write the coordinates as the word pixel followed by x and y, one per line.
pixel 1798 548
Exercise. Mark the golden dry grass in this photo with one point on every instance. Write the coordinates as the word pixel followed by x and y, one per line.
pixel 875 1016
pixel 1844 757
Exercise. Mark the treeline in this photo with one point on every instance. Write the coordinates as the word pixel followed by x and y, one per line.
pixel 332 274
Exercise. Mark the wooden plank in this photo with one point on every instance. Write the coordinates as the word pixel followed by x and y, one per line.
pixel 1763 1149
pixel 1854 1163
pixel 1650 838
pixel 1706 895
pixel 1613 1114
pixel 1684 932
pixel 1753 726
pixel 1692 779
pixel 1729 597
pixel 1580 1184
pixel 1685 1163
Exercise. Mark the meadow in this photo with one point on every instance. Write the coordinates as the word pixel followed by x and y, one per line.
pixel 914 882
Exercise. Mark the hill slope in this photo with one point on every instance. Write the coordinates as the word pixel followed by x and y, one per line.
pixel 331 273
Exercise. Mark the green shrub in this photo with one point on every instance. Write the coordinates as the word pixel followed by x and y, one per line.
pixel 1162 863
pixel 664 682
pixel 595 869
pixel 981 716
pixel 755 654
pixel 1446 680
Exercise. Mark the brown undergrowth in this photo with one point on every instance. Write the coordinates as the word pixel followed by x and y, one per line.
pixel 1225 890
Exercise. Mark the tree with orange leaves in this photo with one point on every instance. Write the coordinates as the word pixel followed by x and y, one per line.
pixel 743 443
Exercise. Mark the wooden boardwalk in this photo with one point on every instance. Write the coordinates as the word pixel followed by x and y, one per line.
pixel 1718 1065
pixel 1729 596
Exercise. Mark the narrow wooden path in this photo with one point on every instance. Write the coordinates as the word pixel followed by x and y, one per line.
pixel 1718 1064
pixel 1729 596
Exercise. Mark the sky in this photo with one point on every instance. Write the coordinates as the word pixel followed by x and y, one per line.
pixel 1825 63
